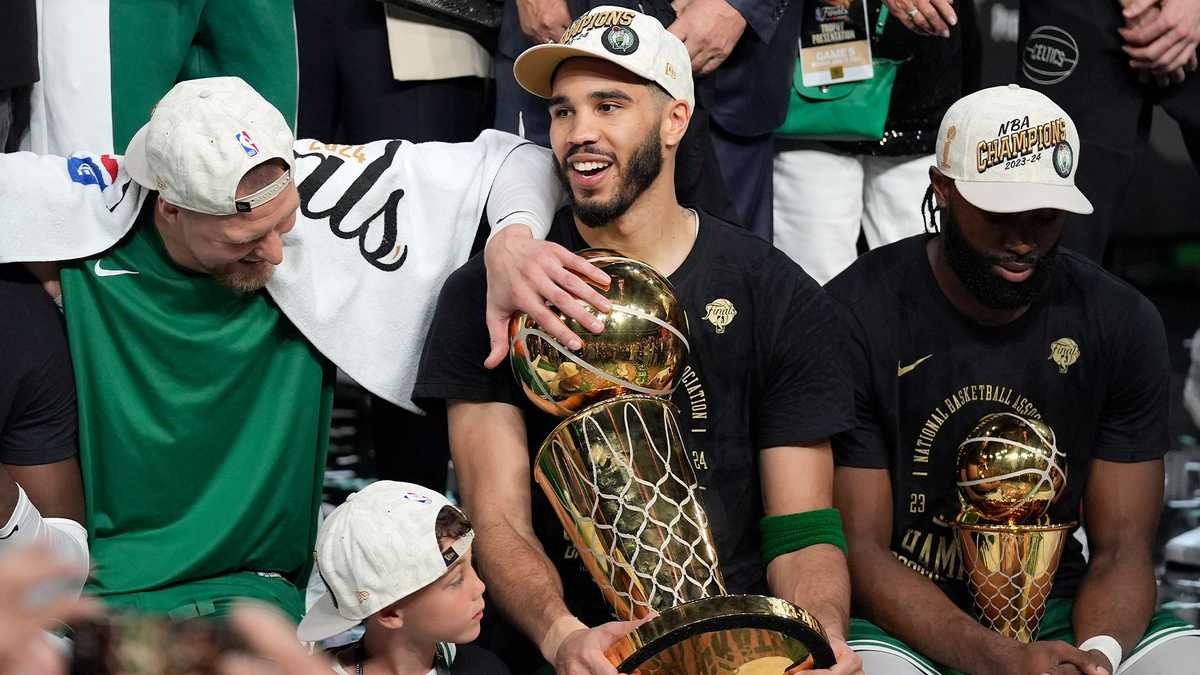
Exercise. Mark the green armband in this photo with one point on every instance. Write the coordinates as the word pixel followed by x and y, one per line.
pixel 783 534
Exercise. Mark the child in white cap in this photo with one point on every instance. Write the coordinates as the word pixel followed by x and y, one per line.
pixel 397 558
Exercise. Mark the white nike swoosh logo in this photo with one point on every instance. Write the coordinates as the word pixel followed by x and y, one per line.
pixel 101 272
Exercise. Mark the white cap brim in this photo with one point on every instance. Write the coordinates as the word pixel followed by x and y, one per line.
pixel 135 159
pixel 1004 197
pixel 534 68
pixel 323 621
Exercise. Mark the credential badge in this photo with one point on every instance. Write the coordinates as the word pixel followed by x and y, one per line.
pixel 720 313
pixel 1064 352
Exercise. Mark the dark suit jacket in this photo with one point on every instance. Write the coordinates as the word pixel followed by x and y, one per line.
pixel 750 90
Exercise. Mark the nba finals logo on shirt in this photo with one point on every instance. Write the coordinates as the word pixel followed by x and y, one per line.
pixel 247 143
pixel 612 18
pixel 720 313
pixel 1065 353
pixel 1018 143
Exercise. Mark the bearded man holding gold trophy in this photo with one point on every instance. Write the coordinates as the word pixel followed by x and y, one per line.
pixel 1008 390
pixel 692 470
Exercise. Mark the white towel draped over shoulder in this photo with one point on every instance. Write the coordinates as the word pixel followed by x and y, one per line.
pixel 380 228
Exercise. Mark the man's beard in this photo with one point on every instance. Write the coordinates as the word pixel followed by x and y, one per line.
pixel 242 278
pixel 974 269
pixel 636 177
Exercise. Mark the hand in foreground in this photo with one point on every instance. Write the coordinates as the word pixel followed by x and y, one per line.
pixel 524 274
pixel 847 662
pixel 1161 39
pixel 709 29
pixel 582 652
pixel 543 21
pixel 932 17
pixel 23 647
pixel 1054 657
pixel 272 643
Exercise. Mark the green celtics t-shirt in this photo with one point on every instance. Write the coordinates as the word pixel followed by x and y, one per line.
pixel 203 425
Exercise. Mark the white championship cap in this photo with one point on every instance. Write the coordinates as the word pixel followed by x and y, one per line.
pixel 1011 149
pixel 378 547
pixel 636 42
pixel 202 138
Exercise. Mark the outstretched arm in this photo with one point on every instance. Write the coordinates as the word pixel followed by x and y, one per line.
pixel 524 273
pixel 63 208
pixel 487 441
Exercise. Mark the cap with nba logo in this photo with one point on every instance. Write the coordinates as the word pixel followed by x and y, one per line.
pixel 202 138
pixel 1011 149
pixel 378 547
pixel 636 42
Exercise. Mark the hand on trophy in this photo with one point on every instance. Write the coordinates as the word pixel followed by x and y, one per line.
pixel 1054 657
pixel 523 274
pixel 582 652
pixel 848 663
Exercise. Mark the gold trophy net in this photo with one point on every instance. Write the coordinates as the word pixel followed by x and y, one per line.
pixel 1010 573
pixel 1009 473
pixel 630 497
pixel 619 479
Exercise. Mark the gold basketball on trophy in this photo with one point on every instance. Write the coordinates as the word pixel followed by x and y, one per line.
pixel 1010 470
pixel 642 350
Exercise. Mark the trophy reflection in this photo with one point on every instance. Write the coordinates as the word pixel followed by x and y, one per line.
pixel 1010 471
pixel 619 477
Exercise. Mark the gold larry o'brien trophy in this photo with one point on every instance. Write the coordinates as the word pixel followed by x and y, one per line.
pixel 619 477
pixel 1010 471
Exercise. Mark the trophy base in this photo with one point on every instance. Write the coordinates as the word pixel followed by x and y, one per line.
pixel 725 635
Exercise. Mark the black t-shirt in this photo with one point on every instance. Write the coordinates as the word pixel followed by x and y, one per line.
pixel 1088 358
pixel 37 389
pixel 771 377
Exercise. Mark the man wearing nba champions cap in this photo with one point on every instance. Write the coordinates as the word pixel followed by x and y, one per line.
pixel 988 315
pixel 764 389
pixel 396 558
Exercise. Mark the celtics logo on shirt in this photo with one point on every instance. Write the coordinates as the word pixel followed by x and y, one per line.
pixel 620 40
